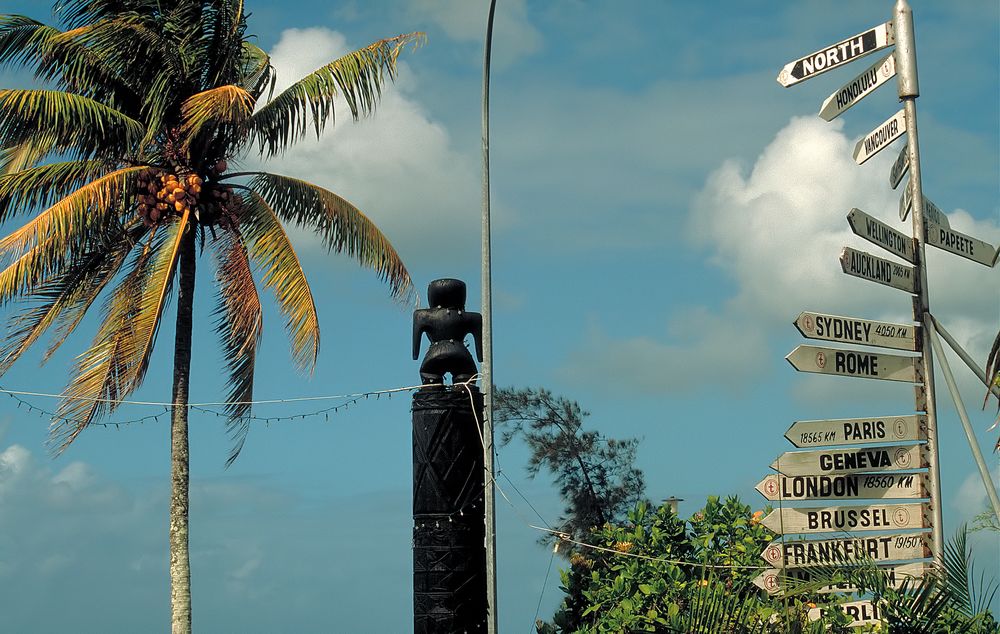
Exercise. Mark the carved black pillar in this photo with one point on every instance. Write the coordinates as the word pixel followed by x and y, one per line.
pixel 449 530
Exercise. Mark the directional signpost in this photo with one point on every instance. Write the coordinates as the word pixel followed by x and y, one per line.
pixel 836 55
pixel 836 519
pixel 858 88
pixel 843 487
pixel 860 612
pixel 847 550
pixel 852 431
pixel 861 331
pixel 775 581
pixel 880 138
pixel 958 243
pixel 875 269
pixel 848 460
pixel 900 167
pixel 932 213
pixel 877 232
pixel 866 365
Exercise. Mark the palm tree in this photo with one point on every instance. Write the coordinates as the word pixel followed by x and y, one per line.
pixel 122 161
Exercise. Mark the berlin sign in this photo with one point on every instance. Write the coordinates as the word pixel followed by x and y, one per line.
pixel 866 365
pixel 843 487
pixel 881 234
pixel 836 519
pixel 875 269
pixel 958 243
pixel 858 88
pixel 868 459
pixel 773 581
pixel 861 331
pixel 860 612
pixel 853 431
pixel 900 167
pixel 880 138
pixel 847 550
pixel 931 211
pixel 837 54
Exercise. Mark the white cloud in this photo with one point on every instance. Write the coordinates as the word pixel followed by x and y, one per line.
pixel 398 166
pixel 514 37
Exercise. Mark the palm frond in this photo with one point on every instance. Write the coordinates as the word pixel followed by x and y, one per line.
pixel 77 124
pixel 356 77
pixel 257 72
pixel 271 252
pixel 230 105
pixel 21 156
pixel 41 186
pixel 342 227
pixel 239 320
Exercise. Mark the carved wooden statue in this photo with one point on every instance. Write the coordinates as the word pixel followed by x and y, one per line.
pixel 446 324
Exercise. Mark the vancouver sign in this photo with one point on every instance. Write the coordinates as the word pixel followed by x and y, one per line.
pixel 861 331
pixel 847 550
pixel 880 138
pixel 856 363
pixel 787 488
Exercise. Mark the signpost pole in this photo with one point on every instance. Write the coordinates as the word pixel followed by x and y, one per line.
pixel 909 90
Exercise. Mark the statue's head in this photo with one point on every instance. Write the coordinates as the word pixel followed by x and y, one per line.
pixel 446 293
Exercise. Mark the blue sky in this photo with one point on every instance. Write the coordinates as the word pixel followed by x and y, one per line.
pixel 663 210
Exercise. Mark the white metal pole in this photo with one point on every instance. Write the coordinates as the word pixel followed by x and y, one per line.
pixel 909 90
pixel 964 356
pixel 984 471
pixel 486 381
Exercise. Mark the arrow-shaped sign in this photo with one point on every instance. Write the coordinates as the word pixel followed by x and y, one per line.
pixel 875 269
pixel 843 487
pixel 854 431
pixel 931 211
pixel 880 138
pixel 837 54
pixel 877 232
pixel 859 88
pixel 774 581
pixel 853 460
pixel 900 167
pixel 861 331
pixel 847 550
pixel 865 365
pixel 958 243
pixel 859 612
pixel 838 519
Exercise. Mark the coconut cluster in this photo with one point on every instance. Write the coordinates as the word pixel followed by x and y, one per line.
pixel 161 194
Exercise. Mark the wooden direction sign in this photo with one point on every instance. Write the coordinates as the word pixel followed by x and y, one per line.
pixel 859 88
pixel 875 269
pixel 774 581
pixel 866 365
pixel 847 550
pixel 843 487
pixel 837 519
pixel 861 331
pixel 877 232
pixel 860 613
pixel 900 167
pixel 958 243
pixel 880 138
pixel 853 431
pixel 932 213
pixel 836 55
pixel 866 459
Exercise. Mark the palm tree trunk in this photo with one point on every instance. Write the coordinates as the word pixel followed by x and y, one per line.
pixel 180 565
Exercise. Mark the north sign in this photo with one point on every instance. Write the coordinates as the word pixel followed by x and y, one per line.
pixel 900 167
pixel 880 138
pixel 774 581
pixel 847 550
pixel 952 241
pixel 836 55
pixel 860 331
pixel 843 487
pixel 836 519
pixel 881 234
pixel 858 88
pixel 932 213
pixel 866 365
pixel 853 431
pixel 868 459
pixel 875 269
